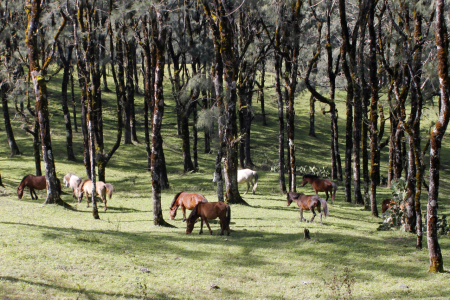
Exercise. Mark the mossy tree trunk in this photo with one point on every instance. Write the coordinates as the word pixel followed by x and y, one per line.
pixel 34 13
pixel 434 249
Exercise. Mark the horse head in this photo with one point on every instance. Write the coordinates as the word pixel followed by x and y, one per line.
pixel 79 191
pixel 289 199
pixel 191 220
pixel 173 212
pixel 20 192
pixel 190 226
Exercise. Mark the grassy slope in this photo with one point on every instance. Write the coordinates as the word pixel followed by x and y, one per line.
pixel 49 252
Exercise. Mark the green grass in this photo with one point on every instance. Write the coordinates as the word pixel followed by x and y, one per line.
pixel 47 252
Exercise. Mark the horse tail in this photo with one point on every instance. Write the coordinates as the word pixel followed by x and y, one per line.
pixel 255 175
pixel 109 189
pixel 228 218
pixel 175 199
pixel 324 204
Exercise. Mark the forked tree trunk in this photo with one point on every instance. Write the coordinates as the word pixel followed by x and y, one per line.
pixel 40 90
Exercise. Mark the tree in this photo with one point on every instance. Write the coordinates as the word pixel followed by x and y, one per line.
pixel 436 135
pixel 34 12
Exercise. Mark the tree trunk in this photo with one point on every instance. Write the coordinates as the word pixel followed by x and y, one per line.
pixel 261 91
pixel 9 132
pixel 373 82
pixel 281 163
pixel 72 95
pixel 129 94
pixel 312 112
pixel 40 90
pixel 157 156
pixel 64 86
pixel 436 135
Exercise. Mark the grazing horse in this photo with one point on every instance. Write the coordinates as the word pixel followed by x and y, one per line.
pixel 86 187
pixel 211 211
pixel 73 181
pixel 245 176
pixel 185 200
pixel 308 202
pixel 321 185
pixel 34 182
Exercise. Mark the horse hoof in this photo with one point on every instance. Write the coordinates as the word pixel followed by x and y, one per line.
pixel 184 220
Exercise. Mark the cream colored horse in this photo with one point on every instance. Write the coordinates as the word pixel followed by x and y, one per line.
pixel 245 176
pixel 71 180
pixel 86 187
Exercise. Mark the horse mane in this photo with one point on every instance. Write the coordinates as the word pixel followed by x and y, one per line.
pixel 310 176
pixel 175 199
pixel 193 214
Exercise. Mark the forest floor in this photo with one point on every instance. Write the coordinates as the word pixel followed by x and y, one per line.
pixel 48 252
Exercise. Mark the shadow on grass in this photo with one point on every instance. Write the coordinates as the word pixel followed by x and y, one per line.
pixel 345 249
pixel 89 294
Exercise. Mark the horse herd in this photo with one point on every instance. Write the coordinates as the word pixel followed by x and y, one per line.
pixel 196 202
pixel 79 187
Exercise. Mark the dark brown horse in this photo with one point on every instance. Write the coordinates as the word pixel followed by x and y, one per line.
pixel 321 185
pixel 308 202
pixel 34 183
pixel 210 211
pixel 185 200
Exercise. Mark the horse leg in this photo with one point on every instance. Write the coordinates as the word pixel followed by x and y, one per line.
pixel 301 215
pixel 207 224
pixel 222 225
pixel 314 215
pixel 321 219
pixel 104 202
pixel 326 192
pixel 248 186
pixel 201 226
pixel 31 193
pixel 183 209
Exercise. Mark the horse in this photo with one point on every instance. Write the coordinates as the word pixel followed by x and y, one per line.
pixel 210 210
pixel 386 204
pixel 34 182
pixel 73 181
pixel 308 202
pixel 321 185
pixel 185 200
pixel 86 187
pixel 245 176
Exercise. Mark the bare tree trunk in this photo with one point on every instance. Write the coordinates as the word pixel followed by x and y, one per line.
pixel 65 82
pixel 157 158
pixel 373 82
pixel 281 162
pixel 9 132
pixel 436 135
pixel 312 112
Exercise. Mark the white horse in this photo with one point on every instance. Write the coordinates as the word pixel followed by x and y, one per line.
pixel 245 176
pixel 73 181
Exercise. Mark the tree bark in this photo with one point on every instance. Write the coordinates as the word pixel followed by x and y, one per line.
pixel 436 135
pixel 373 83
pixel 34 11
pixel 8 128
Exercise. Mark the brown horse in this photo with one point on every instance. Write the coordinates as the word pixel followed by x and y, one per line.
pixel 185 200
pixel 34 182
pixel 321 185
pixel 211 211
pixel 308 202
pixel 86 187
